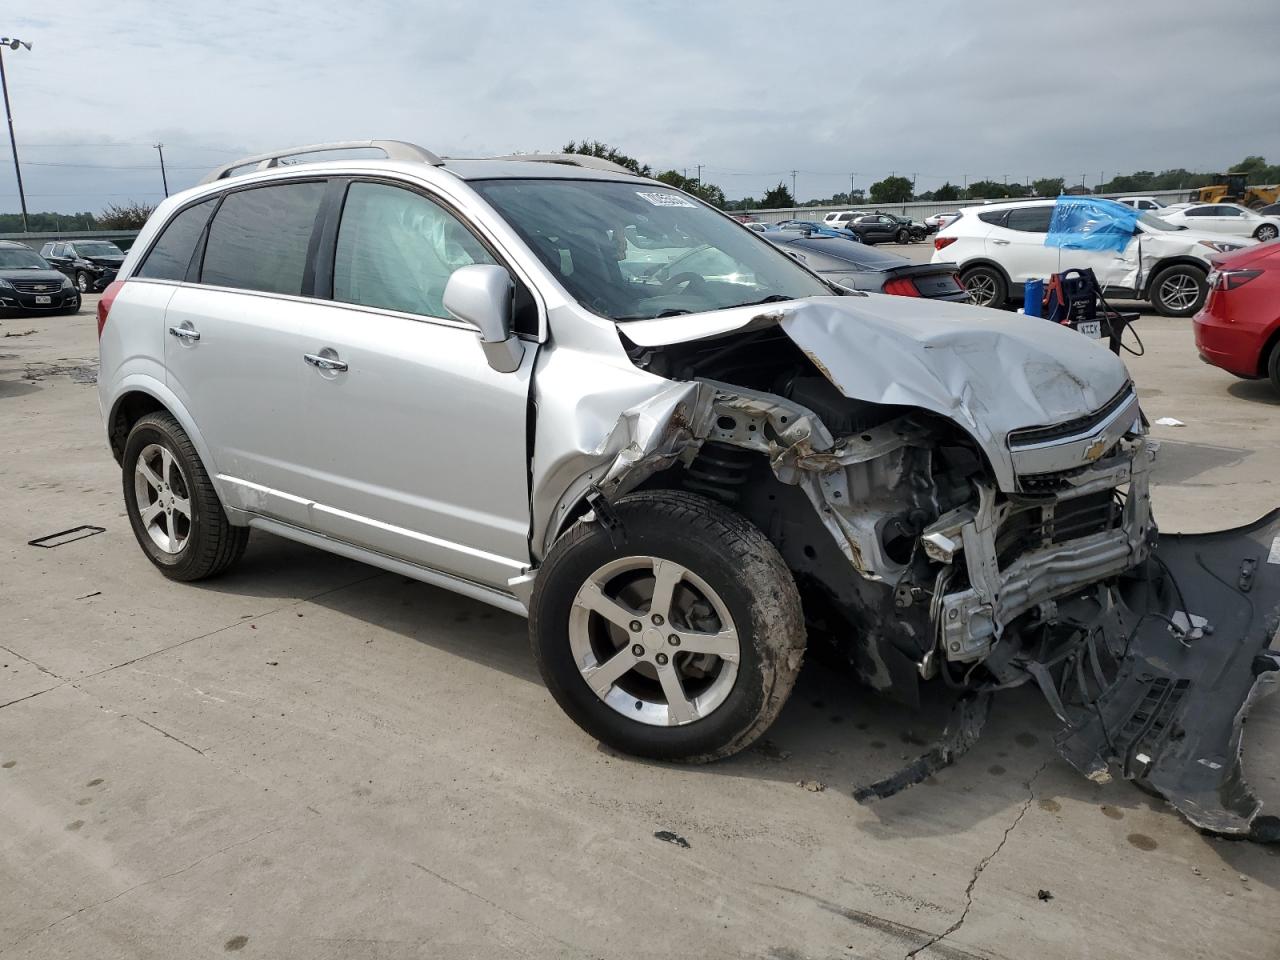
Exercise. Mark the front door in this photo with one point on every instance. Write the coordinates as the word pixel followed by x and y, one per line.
pixel 414 446
pixel 1016 242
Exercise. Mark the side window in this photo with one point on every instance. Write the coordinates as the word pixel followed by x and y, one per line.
pixel 1230 212
pixel 995 217
pixel 259 238
pixel 171 254
pixel 1030 219
pixel 396 250
pixel 1201 212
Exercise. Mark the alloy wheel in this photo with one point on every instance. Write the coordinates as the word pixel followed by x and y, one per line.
pixel 981 288
pixel 82 283
pixel 1179 292
pixel 163 498
pixel 1266 233
pixel 653 641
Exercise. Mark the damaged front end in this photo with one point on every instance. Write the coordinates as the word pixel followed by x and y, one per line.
pixel 965 508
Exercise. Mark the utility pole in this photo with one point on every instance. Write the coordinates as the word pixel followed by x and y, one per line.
pixel 851 176
pixel 163 179
pixel 793 187
pixel 699 174
pixel 13 44
pixel 965 177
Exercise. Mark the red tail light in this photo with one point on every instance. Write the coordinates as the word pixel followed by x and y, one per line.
pixel 104 305
pixel 901 287
pixel 959 282
pixel 1230 279
pixel 940 242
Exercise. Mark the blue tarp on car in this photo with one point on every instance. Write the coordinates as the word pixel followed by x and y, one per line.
pixel 1091 223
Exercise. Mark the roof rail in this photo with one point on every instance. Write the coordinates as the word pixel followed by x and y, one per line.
pixel 394 150
pixel 573 160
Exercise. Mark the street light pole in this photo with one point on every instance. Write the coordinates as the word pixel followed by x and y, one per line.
pixel 13 44
pixel 163 179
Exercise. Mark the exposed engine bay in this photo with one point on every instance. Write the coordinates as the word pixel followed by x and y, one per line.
pixel 934 570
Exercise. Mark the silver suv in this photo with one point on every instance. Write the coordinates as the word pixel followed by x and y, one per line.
pixel 576 394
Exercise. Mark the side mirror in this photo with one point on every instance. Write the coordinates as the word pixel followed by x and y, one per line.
pixel 481 294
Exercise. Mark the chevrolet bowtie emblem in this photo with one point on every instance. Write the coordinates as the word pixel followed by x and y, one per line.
pixel 1096 450
pixel 41 286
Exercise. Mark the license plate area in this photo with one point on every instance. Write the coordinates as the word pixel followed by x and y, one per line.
pixel 1091 328
pixel 44 299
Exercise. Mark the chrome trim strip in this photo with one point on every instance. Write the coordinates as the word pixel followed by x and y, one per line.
pixel 1067 453
pixel 517 566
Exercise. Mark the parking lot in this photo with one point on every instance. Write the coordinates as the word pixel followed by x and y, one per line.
pixel 312 758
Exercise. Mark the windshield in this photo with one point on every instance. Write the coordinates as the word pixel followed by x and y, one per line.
pixel 98 248
pixel 12 259
pixel 1152 222
pixel 632 251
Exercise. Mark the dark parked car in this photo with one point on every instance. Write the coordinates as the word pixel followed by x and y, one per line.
pixel 29 285
pixel 882 228
pixel 91 264
pixel 915 230
pixel 858 266
pixel 1270 210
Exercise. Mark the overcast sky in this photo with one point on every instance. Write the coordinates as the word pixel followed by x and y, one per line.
pixel 750 89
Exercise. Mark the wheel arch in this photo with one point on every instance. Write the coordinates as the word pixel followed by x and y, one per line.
pixel 987 262
pixel 139 395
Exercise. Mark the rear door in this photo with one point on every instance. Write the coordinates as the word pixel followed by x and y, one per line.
pixel 414 446
pixel 232 348
pixel 1016 242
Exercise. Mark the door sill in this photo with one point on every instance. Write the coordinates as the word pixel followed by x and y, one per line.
pixel 467 588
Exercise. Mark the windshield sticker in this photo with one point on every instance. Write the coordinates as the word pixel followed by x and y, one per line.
pixel 666 199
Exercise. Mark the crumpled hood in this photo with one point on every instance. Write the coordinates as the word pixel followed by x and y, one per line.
pixel 990 371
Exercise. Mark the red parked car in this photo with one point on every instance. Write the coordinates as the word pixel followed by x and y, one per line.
pixel 1238 328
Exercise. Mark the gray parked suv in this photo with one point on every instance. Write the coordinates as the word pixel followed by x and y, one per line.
pixel 587 397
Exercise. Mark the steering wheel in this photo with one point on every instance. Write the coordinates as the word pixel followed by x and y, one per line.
pixel 694 282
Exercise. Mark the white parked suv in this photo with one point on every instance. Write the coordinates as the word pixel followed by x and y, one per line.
pixel 1000 246
pixel 841 218
pixel 1141 203
pixel 589 398
pixel 1229 218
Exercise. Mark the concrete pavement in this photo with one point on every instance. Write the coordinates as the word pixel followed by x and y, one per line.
pixel 311 758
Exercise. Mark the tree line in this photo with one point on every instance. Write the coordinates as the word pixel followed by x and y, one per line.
pixel 115 216
pixel 896 189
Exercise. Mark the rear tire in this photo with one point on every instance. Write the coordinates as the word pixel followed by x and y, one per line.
pixel 1273 367
pixel 172 505
pixel 1179 290
pixel 610 658
pixel 986 286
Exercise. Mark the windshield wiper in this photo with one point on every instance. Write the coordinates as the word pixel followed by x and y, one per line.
pixel 673 312
pixel 771 298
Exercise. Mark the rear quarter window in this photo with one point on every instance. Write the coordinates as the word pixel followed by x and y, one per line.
pixel 171 255
pixel 996 217
pixel 1029 219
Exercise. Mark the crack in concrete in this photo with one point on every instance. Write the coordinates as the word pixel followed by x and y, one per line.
pixel 169 735
pixel 982 865
pixel 44 670
pixel 137 886
pixel 501 909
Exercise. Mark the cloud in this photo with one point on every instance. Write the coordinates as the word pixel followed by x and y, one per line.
pixel 750 89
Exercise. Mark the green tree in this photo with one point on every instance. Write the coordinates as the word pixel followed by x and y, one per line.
pixel 125 216
pixel 1048 186
pixel 994 190
pixel 703 191
pixel 891 190
pixel 594 148
pixel 779 196
pixel 948 191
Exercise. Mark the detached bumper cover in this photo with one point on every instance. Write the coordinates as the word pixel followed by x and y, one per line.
pixel 1173 717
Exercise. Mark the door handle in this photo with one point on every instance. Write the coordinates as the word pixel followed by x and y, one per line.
pixel 1002 243
pixel 324 363
pixel 185 333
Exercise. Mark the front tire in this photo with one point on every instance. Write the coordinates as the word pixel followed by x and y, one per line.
pixel 82 282
pixel 1273 367
pixel 676 637
pixel 1179 291
pixel 904 235
pixel 1267 231
pixel 172 505
pixel 986 286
